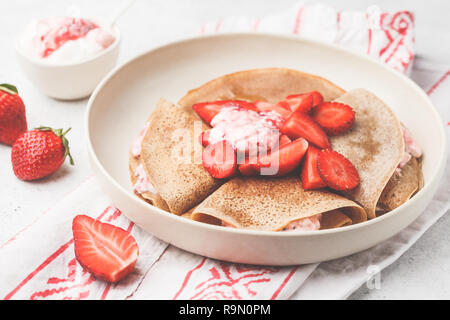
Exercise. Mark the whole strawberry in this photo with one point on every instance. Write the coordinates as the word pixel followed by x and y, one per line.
pixel 39 152
pixel 12 114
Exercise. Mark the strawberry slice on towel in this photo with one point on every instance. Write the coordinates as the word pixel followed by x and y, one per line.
pixel 220 160
pixel 108 252
pixel 208 110
pixel 337 171
pixel 301 125
pixel 334 117
pixel 310 174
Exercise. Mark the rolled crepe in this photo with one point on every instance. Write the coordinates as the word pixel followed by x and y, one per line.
pixel 171 156
pixel 374 145
pixel 270 204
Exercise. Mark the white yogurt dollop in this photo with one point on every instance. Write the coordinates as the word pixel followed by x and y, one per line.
pixel 65 39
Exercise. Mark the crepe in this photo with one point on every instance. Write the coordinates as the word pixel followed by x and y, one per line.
pixel 270 204
pixel 374 145
pixel 171 156
pixel 269 84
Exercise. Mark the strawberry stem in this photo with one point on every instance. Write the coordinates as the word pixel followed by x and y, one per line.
pixel 9 88
pixel 62 135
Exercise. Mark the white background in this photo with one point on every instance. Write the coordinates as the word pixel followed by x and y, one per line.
pixel 421 273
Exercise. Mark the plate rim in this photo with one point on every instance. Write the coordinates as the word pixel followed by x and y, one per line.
pixel 434 178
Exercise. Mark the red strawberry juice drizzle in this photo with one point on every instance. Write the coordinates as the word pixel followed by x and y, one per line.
pixel 70 29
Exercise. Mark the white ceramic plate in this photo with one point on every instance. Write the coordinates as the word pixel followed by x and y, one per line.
pixel 120 105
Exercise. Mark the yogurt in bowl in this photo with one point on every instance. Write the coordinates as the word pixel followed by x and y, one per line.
pixel 64 40
pixel 66 57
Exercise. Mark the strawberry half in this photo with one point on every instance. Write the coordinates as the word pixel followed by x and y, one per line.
pixel 310 174
pixel 219 159
pixel 334 117
pixel 300 125
pixel 208 110
pixel 337 171
pixel 304 102
pixel 13 121
pixel 283 160
pixel 108 252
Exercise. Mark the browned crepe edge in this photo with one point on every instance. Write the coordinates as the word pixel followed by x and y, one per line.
pixel 266 84
pixel 334 219
pixel 281 200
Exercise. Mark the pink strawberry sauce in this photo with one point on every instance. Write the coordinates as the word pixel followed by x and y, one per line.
pixel 412 149
pixel 246 130
pixel 142 184
pixel 65 39
pixel 305 224
pixel 68 29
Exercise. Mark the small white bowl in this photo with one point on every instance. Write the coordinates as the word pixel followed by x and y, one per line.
pixel 69 81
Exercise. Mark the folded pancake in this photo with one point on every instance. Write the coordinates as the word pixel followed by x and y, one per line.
pixel 374 145
pixel 268 84
pixel 171 156
pixel 271 204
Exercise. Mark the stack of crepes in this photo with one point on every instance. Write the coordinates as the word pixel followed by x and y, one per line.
pixel 172 178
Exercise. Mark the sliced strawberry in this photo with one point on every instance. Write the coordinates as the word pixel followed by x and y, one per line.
pixel 219 159
pixel 300 125
pixel 284 139
pixel 249 167
pixel 310 174
pixel 268 107
pixel 334 117
pixel 283 160
pixel 283 104
pixel 106 251
pixel 301 102
pixel 336 170
pixel 208 110
pixel 203 138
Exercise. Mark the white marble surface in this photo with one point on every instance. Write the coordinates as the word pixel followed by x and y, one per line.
pixel 421 273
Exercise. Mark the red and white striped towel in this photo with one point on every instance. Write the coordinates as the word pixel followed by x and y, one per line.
pixel 39 261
